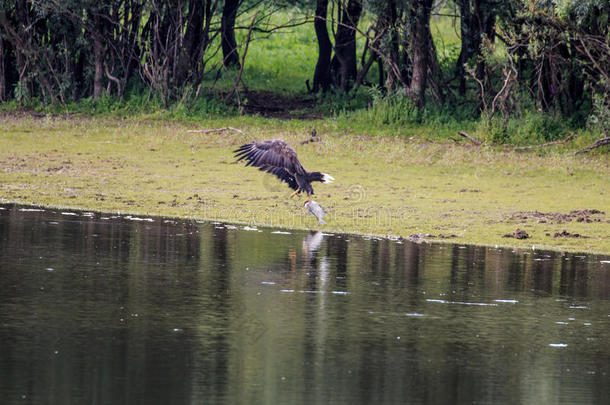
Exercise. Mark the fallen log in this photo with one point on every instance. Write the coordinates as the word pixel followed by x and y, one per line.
pixel 470 138
pixel 596 144
pixel 566 139
pixel 205 131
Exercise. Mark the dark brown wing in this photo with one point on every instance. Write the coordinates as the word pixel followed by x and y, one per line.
pixel 268 154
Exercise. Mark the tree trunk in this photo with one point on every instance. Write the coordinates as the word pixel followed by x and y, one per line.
pixel 477 18
pixel 227 32
pixel 188 62
pixel 98 55
pixel 321 76
pixel 575 87
pixel 344 63
pixel 2 73
pixel 470 37
pixel 98 60
pixel 420 46
pixel 20 44
pixel 391 17
pixel 484 10
pixel 435 79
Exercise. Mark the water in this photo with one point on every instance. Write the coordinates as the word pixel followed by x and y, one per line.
pixel 99 309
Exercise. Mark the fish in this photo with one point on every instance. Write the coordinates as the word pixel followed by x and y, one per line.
pixel 316 210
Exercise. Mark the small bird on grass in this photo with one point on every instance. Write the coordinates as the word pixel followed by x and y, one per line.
pixel 313 138
pixel 276 157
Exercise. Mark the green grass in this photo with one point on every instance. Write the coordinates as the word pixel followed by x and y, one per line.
pixel 385 185
pixel 280 61
pixel 446 34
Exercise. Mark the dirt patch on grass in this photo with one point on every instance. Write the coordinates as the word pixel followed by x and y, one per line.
pixel 30 114
pixel 423 236
pixel 586 215
pixel 566 234
pixel 20 113
pixel 518 234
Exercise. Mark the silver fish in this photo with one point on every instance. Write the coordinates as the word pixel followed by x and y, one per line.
pixel 316 210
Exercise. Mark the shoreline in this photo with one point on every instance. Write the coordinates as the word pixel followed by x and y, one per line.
pixel 131 215
pixel 386 186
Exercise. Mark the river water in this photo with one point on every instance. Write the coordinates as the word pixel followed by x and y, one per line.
pixel 108 309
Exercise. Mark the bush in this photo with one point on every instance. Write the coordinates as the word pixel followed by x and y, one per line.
pixel 394 110
pixel 530 127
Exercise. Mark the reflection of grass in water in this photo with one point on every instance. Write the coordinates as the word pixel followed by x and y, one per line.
pixel 384 185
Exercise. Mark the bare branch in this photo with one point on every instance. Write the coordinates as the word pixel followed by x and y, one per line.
pixel 243 59
pixel 596 144
pixel 561 141
pixel 206 131
pixel 470 138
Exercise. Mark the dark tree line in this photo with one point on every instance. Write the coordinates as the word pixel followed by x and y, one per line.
pixel 62 50
pixel 555 52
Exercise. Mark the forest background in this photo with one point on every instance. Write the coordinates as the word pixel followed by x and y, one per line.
pixel 505 71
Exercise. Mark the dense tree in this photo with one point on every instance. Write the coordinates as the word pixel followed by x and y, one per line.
pixel 560 51
pixel 339 70
pixel 477 21
pixel 73 48
pixel 557 52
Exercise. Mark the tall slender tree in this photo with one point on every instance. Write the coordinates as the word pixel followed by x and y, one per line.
pixel 420 46
pixel 477 20
pixel 321 76
pixel 344 63
pixel 227 33
pixel 2 71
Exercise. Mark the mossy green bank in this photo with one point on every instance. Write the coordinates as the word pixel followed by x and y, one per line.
pixel 384 185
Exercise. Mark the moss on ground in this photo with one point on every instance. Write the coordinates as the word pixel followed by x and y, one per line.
pixel 384 185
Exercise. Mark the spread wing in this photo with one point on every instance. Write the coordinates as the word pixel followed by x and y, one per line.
pixel 270 154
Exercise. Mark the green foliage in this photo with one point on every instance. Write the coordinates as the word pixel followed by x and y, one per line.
pixel 446 40
pixel 396 114
pixel 21 94
pixel 148 105
pixel 493 130
pixel 531 127
pixel 588 14
pixel 337 102
pixel 202 108
pixel 281 61
pixel 599 119
pixel 395 109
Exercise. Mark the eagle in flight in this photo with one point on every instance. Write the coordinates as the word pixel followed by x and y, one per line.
pixel 276 157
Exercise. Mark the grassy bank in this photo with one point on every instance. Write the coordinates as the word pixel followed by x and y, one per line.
pixel 384 185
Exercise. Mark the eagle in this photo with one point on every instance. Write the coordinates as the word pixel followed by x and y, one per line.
pixel 276 157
